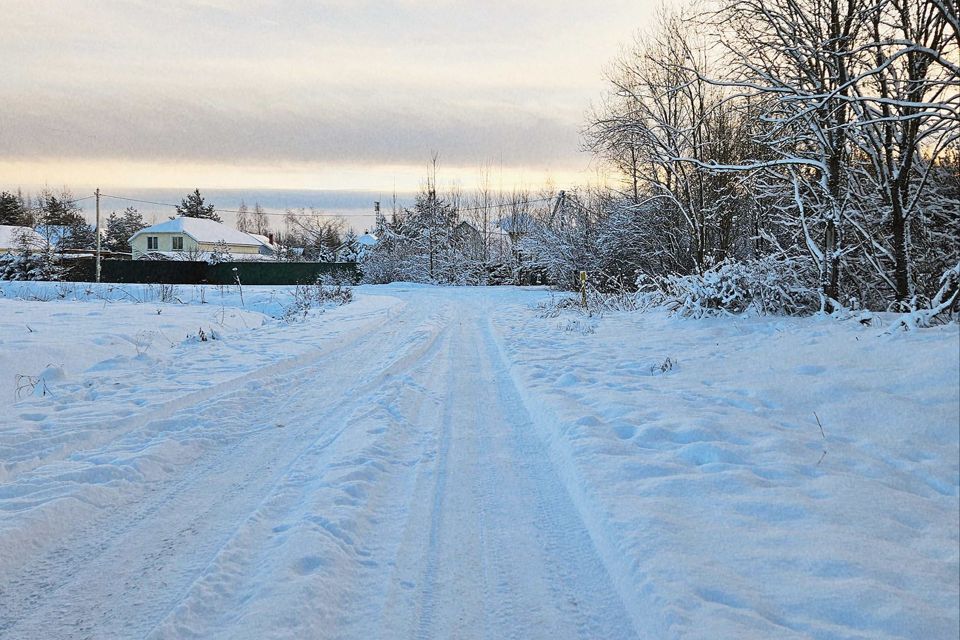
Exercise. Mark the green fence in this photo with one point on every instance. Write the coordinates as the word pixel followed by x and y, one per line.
pixel 189 272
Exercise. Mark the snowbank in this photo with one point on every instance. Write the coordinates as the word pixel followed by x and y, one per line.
pixel 694 449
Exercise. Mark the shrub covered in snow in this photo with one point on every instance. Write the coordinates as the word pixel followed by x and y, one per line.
pixel 765 286
pixel 309 296
pixel 943 307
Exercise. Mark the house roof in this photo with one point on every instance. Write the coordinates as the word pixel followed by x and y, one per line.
pixel 264 240
pixel 367 240
pixel 10 236
pixel 202 230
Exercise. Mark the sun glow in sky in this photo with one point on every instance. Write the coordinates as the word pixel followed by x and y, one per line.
pixel 318 94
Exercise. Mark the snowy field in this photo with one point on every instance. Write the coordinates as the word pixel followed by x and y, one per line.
pixel 454 463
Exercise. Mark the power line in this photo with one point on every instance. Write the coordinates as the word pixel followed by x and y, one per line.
pixel 159 204
pixel 505 204
pixel 61 202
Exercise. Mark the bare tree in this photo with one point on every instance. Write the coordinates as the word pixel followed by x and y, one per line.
pixel 906 105
pixel 259 223
pixel 243 217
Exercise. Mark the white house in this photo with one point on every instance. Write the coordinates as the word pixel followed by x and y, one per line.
pixel 197 238
pixel 365 243
pixel 12 237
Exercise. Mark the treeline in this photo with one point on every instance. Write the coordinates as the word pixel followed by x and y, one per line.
pixel 54 215
pixel 456 237
pixel 797 153
pixel 59 219
pixel 817 140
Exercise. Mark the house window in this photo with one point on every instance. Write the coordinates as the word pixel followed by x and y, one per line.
pixel 178 243
pixel 153 243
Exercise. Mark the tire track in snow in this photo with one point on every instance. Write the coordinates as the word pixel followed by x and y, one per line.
pixel 109 428
pixel 54 574
pixel 289 504
pixel 501 552
pixel 428 581
pixel 416 501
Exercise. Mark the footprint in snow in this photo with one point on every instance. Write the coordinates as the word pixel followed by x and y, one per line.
pixel 810 370
pixel 567 380
pixel 307 565
pixel 625 431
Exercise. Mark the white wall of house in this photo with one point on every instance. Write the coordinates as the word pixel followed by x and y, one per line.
pixel 165 243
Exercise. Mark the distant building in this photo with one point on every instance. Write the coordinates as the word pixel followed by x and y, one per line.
pixel 469 238
pixel 12 238
pixel 271 246
pixel 198 238
pixel 366 242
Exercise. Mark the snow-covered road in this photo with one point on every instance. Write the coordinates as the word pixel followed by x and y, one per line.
pixel 386 484
pixel 431 462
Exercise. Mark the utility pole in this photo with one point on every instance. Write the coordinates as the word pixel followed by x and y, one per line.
pixel 558 207
pixel 97 193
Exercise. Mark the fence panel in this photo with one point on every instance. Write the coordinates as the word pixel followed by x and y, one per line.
pixel 191 272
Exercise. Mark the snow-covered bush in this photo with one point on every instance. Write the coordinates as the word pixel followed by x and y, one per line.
pixel 943 307
pixel 555 306
pixel 308 296
pixel 766 286
pixel 220 253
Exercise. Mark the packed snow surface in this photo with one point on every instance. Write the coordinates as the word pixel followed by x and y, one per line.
pixel 456 463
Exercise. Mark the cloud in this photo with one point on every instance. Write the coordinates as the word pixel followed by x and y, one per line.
pixel 319 81
pixel 349 132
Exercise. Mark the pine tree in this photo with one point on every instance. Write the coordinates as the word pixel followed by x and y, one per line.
pixel 12 210
pixel 331 243
pixel 350 249
pixel 79 234
pixel 193 206
pixel 30 262
pixel 63 223
pixel 121 227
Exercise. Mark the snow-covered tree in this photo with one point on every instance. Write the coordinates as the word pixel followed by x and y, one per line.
pixel 349 250
pixel 429 242
pixel 317 234
pixel 906 110
pixel 816 133
pixel 30 262
pixel 62 222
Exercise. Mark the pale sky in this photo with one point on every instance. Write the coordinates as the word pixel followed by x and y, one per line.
pixel 324 94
